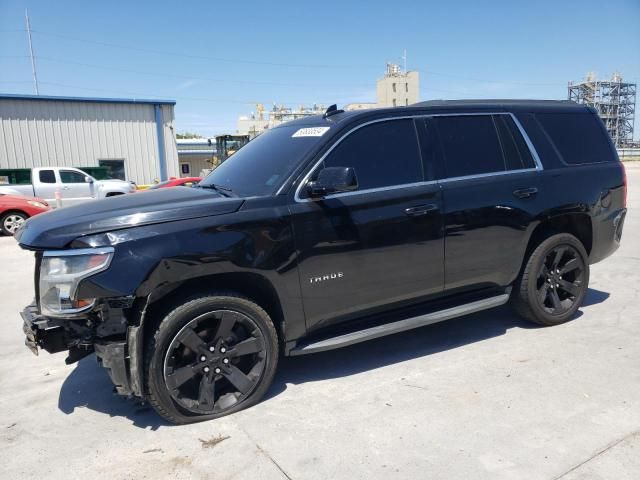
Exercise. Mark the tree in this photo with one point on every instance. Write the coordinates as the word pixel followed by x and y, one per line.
pixel 187 135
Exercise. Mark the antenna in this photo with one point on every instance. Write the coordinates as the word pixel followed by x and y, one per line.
pixel 33 61
pixel 332 110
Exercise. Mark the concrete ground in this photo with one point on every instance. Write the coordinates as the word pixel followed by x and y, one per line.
pixel 485 396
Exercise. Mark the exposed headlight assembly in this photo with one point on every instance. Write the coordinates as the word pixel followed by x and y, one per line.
pixel 60 273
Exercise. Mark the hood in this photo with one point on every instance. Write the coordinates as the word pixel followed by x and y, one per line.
pixel 114 180
pixel 7 189
pixel 58 228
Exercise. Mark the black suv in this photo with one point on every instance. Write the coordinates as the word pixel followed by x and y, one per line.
pixel 324 232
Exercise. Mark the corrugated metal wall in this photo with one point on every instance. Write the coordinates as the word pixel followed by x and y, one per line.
pixel 37 133
pixel 196 162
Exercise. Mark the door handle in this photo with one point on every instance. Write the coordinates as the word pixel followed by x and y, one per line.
pixel 420 210
pixel 65 188
pixel 525 192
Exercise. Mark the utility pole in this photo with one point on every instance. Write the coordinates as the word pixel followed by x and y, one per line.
pixel 33 61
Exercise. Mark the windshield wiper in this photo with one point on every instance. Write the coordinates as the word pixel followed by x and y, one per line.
pixel 225 191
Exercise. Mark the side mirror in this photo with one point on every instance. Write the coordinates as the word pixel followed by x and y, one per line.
pixel 333 180
pixel 88 179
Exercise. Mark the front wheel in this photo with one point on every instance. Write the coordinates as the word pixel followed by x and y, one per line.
pixel 554 281
pixel 210 357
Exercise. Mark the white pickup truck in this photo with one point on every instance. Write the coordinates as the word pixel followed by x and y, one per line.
pixel 74 186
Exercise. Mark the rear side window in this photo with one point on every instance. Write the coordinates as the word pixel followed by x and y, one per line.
pixel 383 154
pixel 516 152
pixel 47 176
pixel 470 145
pixel 578 137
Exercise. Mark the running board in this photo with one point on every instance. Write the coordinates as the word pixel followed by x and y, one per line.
pixel 399 326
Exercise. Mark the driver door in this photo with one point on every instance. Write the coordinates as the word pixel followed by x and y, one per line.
pixel 363 251
pixel 74 187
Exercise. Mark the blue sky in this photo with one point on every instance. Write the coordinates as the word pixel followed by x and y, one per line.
pixel 217 59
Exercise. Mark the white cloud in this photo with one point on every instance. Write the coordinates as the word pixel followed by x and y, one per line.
pixel 187 84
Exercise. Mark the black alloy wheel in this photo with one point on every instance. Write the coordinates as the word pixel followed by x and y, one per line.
pixel 209 357
pixel 214 362
pixel 560 279
pixel 553 282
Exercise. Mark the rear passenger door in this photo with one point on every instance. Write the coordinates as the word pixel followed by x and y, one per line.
pixel 382 244
pixel 490 182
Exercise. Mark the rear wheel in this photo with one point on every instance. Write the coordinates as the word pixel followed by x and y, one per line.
pixel 212 356
pixel 554 281
pixel 11 221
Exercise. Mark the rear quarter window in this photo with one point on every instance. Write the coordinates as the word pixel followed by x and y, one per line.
pixel 579 138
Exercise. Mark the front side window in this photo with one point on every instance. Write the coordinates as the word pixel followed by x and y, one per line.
pixel 69 176
pixel 383 154
pixel 470 145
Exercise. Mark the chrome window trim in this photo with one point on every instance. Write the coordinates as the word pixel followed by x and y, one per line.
pixel 78 251
pixel 372 190
pixel 484 175
pixel 532 149
pixel 525 136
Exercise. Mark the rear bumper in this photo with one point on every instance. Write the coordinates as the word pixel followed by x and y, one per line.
pixel 607 234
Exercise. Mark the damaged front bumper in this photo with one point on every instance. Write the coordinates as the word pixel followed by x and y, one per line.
pixel 57 335
pixel 41 333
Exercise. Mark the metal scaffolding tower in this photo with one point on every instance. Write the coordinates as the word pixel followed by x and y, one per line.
pixel 615 102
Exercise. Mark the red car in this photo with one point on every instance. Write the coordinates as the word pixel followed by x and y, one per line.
pixel 15 209
pixel 175 182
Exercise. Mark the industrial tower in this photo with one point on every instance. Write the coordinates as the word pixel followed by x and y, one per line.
pixel 615 102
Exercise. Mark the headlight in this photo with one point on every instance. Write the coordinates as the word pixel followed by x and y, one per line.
pixel 60 274
pixel 36 204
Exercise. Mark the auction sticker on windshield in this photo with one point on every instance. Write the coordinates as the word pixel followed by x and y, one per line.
pixel 310 132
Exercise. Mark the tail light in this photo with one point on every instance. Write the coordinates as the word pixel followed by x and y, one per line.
pixel 624 184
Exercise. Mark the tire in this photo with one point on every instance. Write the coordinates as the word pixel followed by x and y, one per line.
pixel 10 222
pixel 187 378
pixel 553 282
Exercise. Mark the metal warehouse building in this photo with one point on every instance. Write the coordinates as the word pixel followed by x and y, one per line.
pixel 132 139
pixel 196 155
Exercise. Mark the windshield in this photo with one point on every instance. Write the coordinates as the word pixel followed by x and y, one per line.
pixel 260 166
